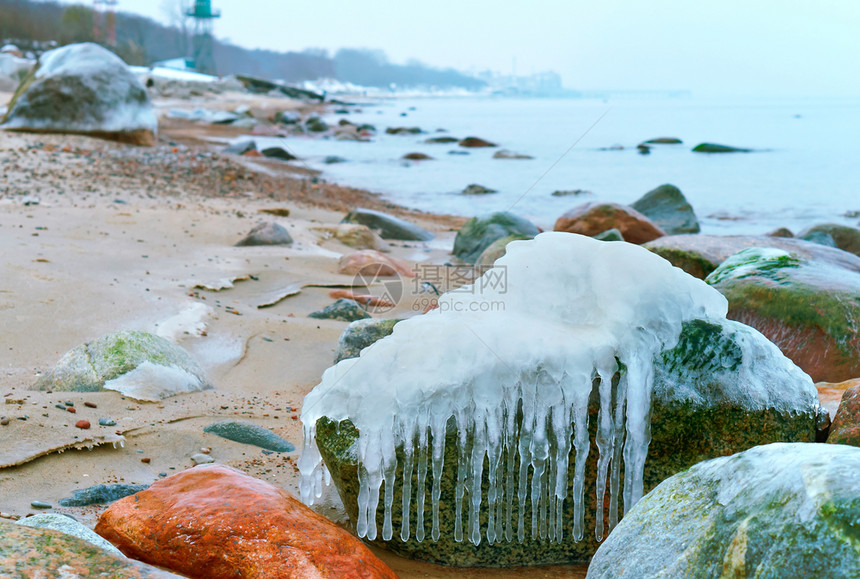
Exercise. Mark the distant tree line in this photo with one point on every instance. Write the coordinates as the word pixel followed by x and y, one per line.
pixel 142 41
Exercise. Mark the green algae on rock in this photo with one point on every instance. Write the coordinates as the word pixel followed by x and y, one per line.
pixel 810 309
pixel 780 510
pixel 138 364
pixel 479 233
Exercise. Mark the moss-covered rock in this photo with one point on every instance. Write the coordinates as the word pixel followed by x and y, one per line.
pixel 667 207
pixel 703 407
pixel 844 237
pixel 139 364
pixel 496 250
pixel 343 310
pixel 69 526
pixel 699 255
pixel 781 510
pixel 359 335
pixel 479 233
pixel 810 309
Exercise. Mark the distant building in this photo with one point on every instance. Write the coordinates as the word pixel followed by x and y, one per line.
pixel 542 84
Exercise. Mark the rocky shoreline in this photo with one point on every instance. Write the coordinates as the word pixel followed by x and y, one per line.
pixel 168 307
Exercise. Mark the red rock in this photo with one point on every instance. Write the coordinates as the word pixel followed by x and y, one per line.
pixel 83 424
pixel 71 409
pixel 215 522
pixel 845 428
pixel 371 263
pixel 593 218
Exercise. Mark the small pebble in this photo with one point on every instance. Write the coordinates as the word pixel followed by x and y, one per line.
pixel 60 406
pixel 4 421
pixel 83 424
pixel 146 460
pixel 90 405
pixel 107 422
pixel 162 474
pixel 69 403
pixel 202 459
pixel 40 505
pixel 71 409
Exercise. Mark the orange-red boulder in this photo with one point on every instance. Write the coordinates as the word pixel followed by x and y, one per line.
pixel 593 218
pixel 371 263
pixel 215 522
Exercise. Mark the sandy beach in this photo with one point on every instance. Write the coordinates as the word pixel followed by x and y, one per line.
pixel 100 236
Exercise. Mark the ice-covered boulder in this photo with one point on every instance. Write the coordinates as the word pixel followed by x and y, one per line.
pixel 13 69
pixel 809 308
pixel 140 365
pixel 781 510
pixel 83 88
pixel 497 421
pixel 361 334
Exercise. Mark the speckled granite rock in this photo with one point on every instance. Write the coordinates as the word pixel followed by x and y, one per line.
pixel 249 433
pixel 781 510
pixel 31 553
pixel 69 526
pixel 699 412
pixel 343 310
pixel 269 233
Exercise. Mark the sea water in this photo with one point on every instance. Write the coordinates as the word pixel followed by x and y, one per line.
pixel 803 172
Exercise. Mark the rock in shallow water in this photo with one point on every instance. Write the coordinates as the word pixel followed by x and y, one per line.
pixel 669 209
pixel 593 218
pixel 83 88
pixel 215 522
pixel 781 510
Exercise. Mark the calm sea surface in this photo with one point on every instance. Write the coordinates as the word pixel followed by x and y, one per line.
pixel 806 170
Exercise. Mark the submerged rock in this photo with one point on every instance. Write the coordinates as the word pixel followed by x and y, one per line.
pixel 487 431
pixel 249 433
pixel 388 226
pixel 216 522
pixel 100 494
pixel 269 233
pixel 140 365
pixel 360 334
pixel 593 218
pixel 83 88
pixel 343 310
pixel 69 526
pixel 403 131
pixel 505 154
pixel 664 141
pixel 714 148
pixel 29 552
pixel 441 140
pixel 479 233
pixel 810 309
pixel 417 157
pixel 842 236
pixel 781 510
pixel 475 142
pixel 699 255
pixel 669 209
pixel 278 153
pixel 476 189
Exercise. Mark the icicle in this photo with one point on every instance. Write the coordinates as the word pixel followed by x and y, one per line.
pixel 605 439
pixel 421 489
pixel 438 430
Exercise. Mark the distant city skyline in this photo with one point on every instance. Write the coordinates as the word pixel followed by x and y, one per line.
pixel 776 47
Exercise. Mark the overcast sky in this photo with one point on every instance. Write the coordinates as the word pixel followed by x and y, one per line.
pixel 729 46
